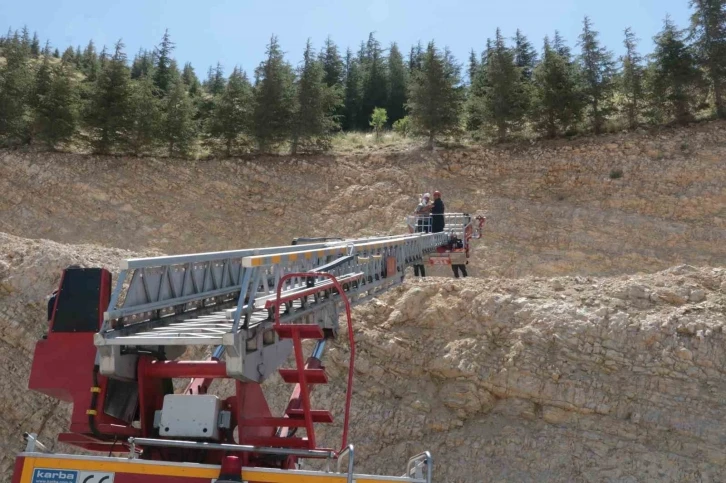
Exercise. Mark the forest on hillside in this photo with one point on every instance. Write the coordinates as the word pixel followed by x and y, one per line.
pixel 83 99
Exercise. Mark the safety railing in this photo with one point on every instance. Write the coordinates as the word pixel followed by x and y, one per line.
pixel 453 222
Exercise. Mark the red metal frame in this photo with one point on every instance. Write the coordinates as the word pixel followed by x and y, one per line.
pixel 18 469
pixel 183 369
pixel 302 370
pixel 62 368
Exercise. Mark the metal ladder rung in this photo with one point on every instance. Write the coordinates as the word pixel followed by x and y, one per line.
pixel 312 376
pixel 177 340
pixel 182 332
pixel 306 331
pixel 318 415
pixel 273 422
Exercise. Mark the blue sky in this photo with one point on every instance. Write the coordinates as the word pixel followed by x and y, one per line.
pixel 235 32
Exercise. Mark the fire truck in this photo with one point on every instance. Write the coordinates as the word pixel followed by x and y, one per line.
pixel 114 350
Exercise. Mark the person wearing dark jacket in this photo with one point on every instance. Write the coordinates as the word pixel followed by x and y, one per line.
pixel 437 214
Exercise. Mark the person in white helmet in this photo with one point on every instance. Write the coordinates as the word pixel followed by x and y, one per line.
pixel 423 224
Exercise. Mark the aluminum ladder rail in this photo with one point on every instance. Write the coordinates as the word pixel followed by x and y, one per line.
pixel 223 299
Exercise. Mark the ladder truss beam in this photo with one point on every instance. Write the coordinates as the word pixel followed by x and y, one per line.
pixel 229 299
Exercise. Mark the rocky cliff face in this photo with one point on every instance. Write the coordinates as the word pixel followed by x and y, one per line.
pixel 576 368
pixel 564 379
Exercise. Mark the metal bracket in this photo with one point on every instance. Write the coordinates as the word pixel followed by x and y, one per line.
pixel 350 452
pixel 33 445
pixel 225 419
pixel 415 465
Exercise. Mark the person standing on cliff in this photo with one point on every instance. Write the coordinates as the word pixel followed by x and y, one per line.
pixel 423 221
pixel 437 213
pixel 423 224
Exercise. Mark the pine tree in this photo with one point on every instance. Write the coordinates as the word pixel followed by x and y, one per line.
pixel 69 57
pixel 55 115
pixel 40 94
pixel 25 42
pixel 103 58
pixel 108 113
pixel 190 79
pixel 42 84
pixel 215 80
pixel 232 112
pixel 353 97
pixel 316 106
pixel 525 55
pixel 398 80
pixel 46 50
pixel 473 66
pixel 560 47
pixel 598 69
pixel 35 45
pixel 90 64
pixel 708 29
pixel 178 128
pixel 557 100
pixel 145 116
pixel 505 100
pixel 77 57
pixel 335 72
pixel 163 73
pixel 333 65
pixel 375 82
pixel 478 88
pixel 631 81
pixel 487 52
pixel 675 75
pixel 174 72
pixel 214 85
pixel 15 83
pixel 56 53
pixel 143 65
pixel 435 94
pixel 415 58
pixel 274 99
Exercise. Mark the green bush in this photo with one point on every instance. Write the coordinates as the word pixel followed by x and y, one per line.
pixel 378 120
pixel 403 126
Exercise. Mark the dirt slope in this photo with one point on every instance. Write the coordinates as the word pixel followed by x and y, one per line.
pixel 598 358
pixel 553 208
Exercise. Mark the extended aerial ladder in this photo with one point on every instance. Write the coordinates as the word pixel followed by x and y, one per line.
pixel 114 353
